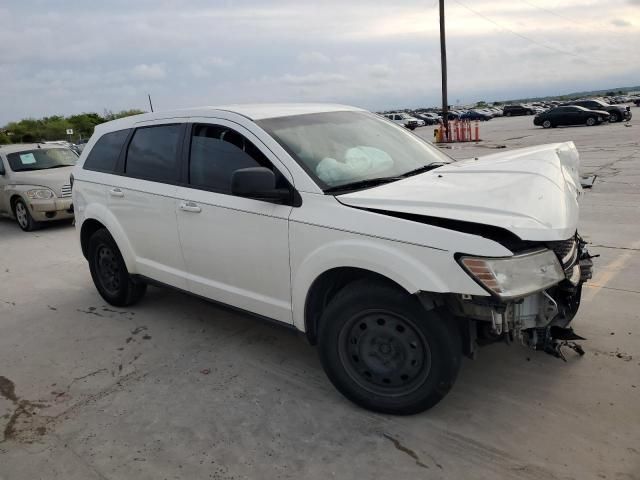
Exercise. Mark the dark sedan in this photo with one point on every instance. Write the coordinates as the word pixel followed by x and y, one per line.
pixel 616 113
pixel 570 115
pixel 475 115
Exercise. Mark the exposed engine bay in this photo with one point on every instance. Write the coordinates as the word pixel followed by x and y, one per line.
pixel 541 320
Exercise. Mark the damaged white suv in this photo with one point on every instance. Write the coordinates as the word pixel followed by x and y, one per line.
pixel 390 256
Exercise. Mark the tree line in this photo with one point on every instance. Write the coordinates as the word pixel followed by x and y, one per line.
pixel 31 130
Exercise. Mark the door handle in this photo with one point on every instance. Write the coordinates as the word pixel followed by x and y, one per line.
pixel 116 192
pixel 190 207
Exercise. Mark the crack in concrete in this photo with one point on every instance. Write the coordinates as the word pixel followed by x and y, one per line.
pixel 399 446
pixel 595 285
pixel 615 248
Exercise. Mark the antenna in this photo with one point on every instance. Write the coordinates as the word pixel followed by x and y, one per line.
pixel 150 104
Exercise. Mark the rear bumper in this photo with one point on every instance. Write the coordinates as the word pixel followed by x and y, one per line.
pixel 52 209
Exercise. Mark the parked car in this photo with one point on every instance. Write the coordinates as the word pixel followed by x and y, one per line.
pixel 34 183
pixel 343 226
pixel 514 110
pixel 637 102
pixel 434 116
pixel 427 119
pixel 451 115
pixel 475 115
pixel 616 113
pixel 405 120
pixel 570 115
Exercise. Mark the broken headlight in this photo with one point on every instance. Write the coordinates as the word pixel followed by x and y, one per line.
pixel 517 276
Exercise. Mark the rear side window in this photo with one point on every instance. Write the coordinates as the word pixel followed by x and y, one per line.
pixel 153 153
pixel 104 154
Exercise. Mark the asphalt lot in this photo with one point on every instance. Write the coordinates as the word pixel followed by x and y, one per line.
pixel 177 388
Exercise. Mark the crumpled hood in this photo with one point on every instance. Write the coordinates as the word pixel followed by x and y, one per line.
pixel 532 192
pixel 53 178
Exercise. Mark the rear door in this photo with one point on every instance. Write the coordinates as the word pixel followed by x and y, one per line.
pixel 236 249
pixel 143 200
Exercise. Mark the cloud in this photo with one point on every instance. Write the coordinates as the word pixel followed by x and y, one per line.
pixel 371 53
pixel 313 58
pixel 618 22
pixel 154 71
pixel 318 78
pixel 379 71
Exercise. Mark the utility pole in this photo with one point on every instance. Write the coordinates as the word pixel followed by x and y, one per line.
pixel 150 104
pixel 443 61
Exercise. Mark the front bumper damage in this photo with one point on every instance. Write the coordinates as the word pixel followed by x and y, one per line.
pixel 540 320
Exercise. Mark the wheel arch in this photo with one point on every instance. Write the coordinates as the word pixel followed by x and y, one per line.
pixel 12 202
pixel 98 216
pixel 327 285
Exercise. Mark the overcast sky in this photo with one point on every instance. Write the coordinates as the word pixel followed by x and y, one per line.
pixel 71 56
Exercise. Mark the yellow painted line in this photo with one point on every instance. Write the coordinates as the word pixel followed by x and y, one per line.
pixel 608 273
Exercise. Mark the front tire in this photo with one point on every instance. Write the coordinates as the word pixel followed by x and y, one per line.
pixel 383 351
pixel 613 118
pixel 591 121
pixel 109 272
pixel 23 217
pixel 547 124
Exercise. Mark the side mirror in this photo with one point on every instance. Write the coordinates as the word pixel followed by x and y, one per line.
pixel 258 183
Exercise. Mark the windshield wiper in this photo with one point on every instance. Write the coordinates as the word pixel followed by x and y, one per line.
pixel 56 166
pixel 371 182
pixel 422 169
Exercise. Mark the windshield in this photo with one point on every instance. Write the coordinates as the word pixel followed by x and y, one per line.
pixel 341 148
pixel 41 159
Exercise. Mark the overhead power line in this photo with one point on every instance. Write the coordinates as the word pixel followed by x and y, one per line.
pixel 551 12
pixel 517 34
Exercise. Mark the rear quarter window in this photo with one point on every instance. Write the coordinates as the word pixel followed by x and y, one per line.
pixel 103 157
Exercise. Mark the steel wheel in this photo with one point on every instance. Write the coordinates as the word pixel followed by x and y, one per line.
pixel 384 353
pixel 109 271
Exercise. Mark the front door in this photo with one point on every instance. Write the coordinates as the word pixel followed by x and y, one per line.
pixel 236 249
pixel 4 176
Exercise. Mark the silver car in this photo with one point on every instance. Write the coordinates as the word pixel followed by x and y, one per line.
pixel 34 183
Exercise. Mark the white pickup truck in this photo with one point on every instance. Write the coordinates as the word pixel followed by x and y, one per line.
pixel 405 120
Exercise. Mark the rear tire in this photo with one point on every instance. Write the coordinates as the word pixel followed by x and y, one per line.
pixel 383 351
pixel 591 121
pixel 109 272
pixel 23 217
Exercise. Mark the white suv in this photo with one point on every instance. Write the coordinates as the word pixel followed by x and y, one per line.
pixel 389 255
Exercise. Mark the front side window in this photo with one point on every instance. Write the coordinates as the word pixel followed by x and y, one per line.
pixel 342 148
pixel 41 159
pixel 104 154
pixel 218 151
pixel 153 153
